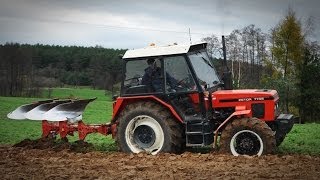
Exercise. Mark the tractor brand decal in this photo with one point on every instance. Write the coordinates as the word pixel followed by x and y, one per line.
pixel 258 99
pixel 247 99
pixel 252 99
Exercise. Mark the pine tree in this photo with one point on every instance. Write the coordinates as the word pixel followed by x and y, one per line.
pixel 288 50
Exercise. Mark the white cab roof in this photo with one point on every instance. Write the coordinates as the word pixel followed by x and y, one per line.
pixel 159 50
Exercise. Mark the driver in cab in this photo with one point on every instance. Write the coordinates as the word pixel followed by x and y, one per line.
pixel 153 79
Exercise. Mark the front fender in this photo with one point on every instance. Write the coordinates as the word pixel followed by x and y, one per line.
pixel 236 113
pixel 240 111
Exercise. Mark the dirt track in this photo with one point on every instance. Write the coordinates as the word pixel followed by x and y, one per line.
pixel 26 163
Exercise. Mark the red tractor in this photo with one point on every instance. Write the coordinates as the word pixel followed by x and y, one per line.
pixel 186 106
pixel 171 98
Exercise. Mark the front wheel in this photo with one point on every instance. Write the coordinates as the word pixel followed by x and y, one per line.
pixel 247 136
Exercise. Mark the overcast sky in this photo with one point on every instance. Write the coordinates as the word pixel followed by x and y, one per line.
pixel 137 23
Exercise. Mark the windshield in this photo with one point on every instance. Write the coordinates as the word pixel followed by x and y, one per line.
pixel 204 69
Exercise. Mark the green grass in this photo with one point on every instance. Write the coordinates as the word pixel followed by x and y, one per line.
pixel 303 139
pixel 98 111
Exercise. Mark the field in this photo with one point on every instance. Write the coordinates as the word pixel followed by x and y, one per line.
pixel 297 157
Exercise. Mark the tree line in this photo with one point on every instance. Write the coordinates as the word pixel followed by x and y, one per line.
pixel 25 69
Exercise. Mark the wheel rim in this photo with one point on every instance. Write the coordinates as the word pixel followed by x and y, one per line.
pixel 144 133
pixel 246 142
pixel 144 136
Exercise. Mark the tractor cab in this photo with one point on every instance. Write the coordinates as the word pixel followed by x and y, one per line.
pixel 179 75
pixel 171 69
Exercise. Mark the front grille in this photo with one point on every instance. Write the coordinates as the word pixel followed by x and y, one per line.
pixel 258 110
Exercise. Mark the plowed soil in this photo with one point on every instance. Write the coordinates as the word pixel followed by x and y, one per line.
pixel 27 160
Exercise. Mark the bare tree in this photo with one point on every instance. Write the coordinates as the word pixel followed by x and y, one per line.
pixel 214 46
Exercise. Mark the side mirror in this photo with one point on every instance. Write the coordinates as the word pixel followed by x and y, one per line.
pixel 114 97
pixel 227 79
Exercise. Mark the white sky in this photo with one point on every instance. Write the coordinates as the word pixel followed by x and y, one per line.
pixel 137 23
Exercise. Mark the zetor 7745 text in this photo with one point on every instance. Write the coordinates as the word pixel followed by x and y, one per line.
pixel 172 98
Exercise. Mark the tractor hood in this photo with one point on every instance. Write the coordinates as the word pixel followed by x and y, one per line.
pixel 244 95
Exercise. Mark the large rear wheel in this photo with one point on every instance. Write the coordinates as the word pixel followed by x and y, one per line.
pixel 247 136
pixel 148 127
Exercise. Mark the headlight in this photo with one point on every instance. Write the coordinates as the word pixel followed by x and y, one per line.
pixel 276 109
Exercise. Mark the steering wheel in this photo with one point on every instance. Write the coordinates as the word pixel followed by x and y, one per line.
pixel 183 84
pixel 183 81
pixel 135 80
pixel 136 77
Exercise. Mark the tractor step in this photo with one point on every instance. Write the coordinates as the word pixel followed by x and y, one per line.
pixel 199 132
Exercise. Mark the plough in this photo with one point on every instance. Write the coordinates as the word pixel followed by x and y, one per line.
pixel 63 117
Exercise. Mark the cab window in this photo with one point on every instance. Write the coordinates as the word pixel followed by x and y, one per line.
pixel 178 75
pixel 140 78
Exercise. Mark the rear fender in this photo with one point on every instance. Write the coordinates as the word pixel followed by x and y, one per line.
pixel 122 102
